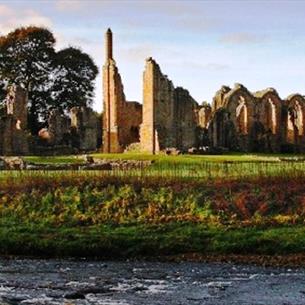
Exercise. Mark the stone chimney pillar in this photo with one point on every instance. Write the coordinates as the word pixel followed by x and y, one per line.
pixel 108 45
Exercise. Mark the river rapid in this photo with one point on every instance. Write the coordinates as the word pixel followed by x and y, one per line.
pixel 25 281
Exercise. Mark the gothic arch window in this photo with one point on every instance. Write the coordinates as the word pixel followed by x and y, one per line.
pixel 295 126
pixel 290 125
pixel 270 111
pixel 242 116
pixel 299 118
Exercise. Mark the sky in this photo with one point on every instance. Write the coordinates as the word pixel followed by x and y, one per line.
pixel 201 45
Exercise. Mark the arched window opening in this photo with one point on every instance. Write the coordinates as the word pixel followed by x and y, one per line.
pixel 270 111
pixel 290 125
pixel 299 118
pixel 295 126
pixel 242 116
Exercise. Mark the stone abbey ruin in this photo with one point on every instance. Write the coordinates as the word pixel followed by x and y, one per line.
pixel 169 120
pixel 65 134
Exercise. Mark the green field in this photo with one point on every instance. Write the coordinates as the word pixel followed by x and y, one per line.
pixel 160 158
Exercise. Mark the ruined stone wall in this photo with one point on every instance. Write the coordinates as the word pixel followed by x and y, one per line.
pixel 218 100
pixel 170 115
pixel 204 115
pixel 131 119
pixel 14 139
pixel 269 114
pixel 58 128
pixel 294 119
pixel 148 134
pixel 164 104
pixel 121 119
pixel 186 119
pixel 114 98
pixel 84 128
pixel 257 122
pixel 158 128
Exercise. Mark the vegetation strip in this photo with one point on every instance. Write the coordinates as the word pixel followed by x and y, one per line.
pixel 109 242
pixel 112 217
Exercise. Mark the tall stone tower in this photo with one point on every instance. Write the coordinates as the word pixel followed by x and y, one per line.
pixel 108 44
pixel 114 100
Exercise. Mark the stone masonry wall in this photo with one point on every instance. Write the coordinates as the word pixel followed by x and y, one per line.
pixel 158 129
pixel 257 122
pixel 113 100
pixel 170 116
pixel 14 138
pixel 84 126
pixel 186 119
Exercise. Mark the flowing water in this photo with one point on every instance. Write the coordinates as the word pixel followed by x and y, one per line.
pixel 24 281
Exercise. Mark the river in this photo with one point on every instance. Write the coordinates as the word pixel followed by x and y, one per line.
pixel 25 281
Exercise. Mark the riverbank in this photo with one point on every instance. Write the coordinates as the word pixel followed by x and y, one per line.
pixel 106 217
pixel 167 242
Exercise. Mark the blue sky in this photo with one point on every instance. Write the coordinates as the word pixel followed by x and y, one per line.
pixel 200 45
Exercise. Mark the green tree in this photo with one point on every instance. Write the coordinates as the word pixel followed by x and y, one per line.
pixel 74 76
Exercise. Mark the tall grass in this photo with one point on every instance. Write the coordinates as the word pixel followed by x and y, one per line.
pixel 90 200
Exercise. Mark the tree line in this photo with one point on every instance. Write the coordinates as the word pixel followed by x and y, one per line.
pixel 53 79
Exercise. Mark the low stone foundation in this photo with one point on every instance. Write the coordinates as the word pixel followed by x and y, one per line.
pixel 18 163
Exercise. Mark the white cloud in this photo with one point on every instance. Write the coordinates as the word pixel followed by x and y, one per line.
pixel 216 66
pixel 69 5
pixel 136 53
pixel 11 19
pixel 5 10
pixel 242 38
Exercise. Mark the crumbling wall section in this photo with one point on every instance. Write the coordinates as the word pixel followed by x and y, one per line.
pixel 186 119
pixel 269 111
pixel 84 128
pixel 148 134
pixel 58 128
pixel 14 123
pixel 121 119
pixel 204 115
pixel 257 122
pixel 114 99
pixel 158 130
pixel 170 115
pixel 294 121
pixel 131 119
pixel 218 100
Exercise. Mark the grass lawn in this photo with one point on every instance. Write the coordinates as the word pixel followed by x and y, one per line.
pixel 235 165
pixel 232 157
